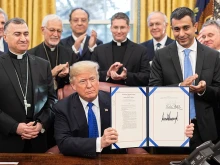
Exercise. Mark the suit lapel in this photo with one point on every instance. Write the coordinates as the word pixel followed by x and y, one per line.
pixel 176 62
pixel 104 113
pixel 108 54
pixel 150 50
pixel 34 71
pixel 199 61
pixel 128 52
pixel 70 41
pixel 86 44
pixel 10 71
pixel 5 46
pixel 79 114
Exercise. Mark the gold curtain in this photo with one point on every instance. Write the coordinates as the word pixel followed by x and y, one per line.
pixel 165 6
pixel 32 11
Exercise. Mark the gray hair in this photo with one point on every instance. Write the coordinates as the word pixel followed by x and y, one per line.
pixel 49 18
pixel 3 12
pixel 82 67
pixel 157 12
pixel 212 22
pixel 14 21
pixel 120 15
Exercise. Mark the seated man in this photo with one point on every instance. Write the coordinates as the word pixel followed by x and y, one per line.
pixel 81 118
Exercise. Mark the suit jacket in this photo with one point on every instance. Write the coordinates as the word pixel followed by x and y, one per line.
pixel 65 55
pixel 150 47
pixel 5 46
pixel 71 128
pixel 12 109
pixel 86 54
pixel 166 70
pixel 135 61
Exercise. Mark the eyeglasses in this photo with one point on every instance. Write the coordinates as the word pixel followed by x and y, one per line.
pixel 59 31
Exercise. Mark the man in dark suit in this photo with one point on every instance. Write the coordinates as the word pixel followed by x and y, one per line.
pixel 157 24
pixel 172 64
pixel 79 42
pixel 58 56
pixel 122 61
pixel 3 44
pixel 27 94
pixel 73 131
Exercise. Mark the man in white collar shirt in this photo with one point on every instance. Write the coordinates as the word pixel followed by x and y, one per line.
pixel 187 62
pixel 58 56
pixel 157 24
pixel 122 61
pixel 3 44
pixel 209 35
pixel 79 42
pixel 27 94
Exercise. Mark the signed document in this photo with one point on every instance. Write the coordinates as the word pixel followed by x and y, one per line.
pixel 129 116
pixel 168 116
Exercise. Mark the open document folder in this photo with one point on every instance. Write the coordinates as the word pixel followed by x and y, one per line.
pixel 150 116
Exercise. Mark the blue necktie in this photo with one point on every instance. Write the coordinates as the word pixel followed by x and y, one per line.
pixel 80 51
pixel 188 72
pixel 93 127
pixel 158 46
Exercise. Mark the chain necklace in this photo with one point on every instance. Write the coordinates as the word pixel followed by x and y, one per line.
pixel 57 56
pixel 24 94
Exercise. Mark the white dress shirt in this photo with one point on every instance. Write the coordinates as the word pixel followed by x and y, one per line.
pixel 162 42
pixel 96 110
pixel 1 44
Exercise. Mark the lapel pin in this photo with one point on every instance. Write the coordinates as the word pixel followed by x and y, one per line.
pixel 106 110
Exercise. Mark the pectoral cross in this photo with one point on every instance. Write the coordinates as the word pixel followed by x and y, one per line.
pixel 26 105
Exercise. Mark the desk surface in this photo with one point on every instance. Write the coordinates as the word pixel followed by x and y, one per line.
pixel 104 159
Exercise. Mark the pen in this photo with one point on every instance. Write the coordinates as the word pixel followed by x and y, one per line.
pixel 35 123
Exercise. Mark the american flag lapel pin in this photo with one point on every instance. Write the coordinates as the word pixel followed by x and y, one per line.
pixel 106 110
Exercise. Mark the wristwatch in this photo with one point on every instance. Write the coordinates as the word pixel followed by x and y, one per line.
pixel 42 130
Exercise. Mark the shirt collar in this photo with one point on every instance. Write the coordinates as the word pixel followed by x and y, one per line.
pixel 17 56
pixel 119 43
pixel 193 47
pixel 85 103
pixel 75 38
pixel 162 42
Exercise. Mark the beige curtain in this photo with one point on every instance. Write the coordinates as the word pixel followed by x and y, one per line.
pixel 165 6
pixel 32 11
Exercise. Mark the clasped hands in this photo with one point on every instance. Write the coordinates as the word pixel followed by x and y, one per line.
pixel 200 88
pixel 112 71
pixel 28 131
pixel 61 70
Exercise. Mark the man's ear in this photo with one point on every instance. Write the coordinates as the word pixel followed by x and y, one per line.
pixel 73 86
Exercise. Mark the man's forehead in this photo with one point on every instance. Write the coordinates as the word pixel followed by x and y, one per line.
pixel 12 27
pixel 79 14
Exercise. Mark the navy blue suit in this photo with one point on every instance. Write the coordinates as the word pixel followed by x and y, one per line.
pixel 86 54
pixel 150 47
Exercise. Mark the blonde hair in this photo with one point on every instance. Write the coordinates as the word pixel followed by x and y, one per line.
pixel 82 67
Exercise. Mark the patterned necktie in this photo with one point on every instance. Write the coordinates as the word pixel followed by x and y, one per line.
pixel 188 72
pixel 158 46
pixel 93 127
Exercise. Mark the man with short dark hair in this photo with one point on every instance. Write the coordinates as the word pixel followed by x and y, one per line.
pixel 122 61
pixel 79 42
pixel 186 62
pixel 27 94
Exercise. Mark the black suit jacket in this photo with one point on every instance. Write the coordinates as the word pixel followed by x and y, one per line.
pixel 150 47
pixel 71 128
pixel 12 109
pixel 86 54
pixel 135 61
pixel 166 71
pixel 65 55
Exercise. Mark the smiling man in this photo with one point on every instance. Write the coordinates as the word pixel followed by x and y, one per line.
pixel 58 56
pixel 80 42
pixel 187 62
pixel 122 61
pixel 157 24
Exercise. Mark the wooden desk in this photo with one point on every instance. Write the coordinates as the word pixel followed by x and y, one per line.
pixel 105 159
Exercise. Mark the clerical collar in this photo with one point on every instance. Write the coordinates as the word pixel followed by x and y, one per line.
pixel 17 56
pixel 119 43
pixel 48 48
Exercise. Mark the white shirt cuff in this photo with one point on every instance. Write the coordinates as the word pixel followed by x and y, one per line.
pixel 74 49
pixel 98 144
pixel 201 93
pixel 92 48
